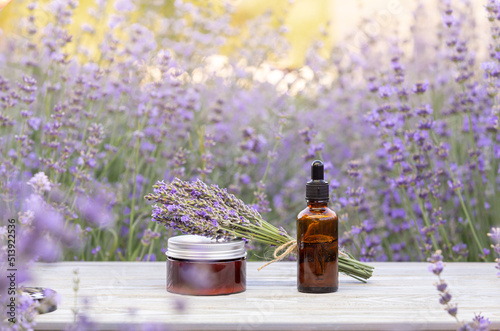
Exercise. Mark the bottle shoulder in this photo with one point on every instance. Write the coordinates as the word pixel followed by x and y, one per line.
pixel 323 212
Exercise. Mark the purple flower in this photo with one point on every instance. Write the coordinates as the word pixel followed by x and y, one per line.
pixel 245 179
pixel 115 20
pixel 96 210
pixel 495 235
pixel 172 208
pixel 34 123
pixel 444 293
pixel 452 311
pixel 424 111
pixel 124 6
pixel 461 249
pixel 40 183
pixel 92 162
pixel 355 230
pixel 456 185
pixel 445 298
pixel 441 287
pixel 426 124
pixel 385 91
pixel 436 268
pixel 420 88
pixel 150 258
pixel 491 69
pixel 353 169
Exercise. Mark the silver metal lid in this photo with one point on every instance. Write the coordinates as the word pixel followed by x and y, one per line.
pixel 190 247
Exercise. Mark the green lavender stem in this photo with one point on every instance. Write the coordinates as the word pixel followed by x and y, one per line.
pixel 466 212
pixel 132 208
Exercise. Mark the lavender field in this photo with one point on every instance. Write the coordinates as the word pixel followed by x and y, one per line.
pixel 408 128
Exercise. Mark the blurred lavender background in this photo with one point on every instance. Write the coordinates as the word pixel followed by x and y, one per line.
pixel 404 115
pixel 99 100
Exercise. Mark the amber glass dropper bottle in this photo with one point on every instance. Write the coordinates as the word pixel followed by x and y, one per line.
pixel 317 238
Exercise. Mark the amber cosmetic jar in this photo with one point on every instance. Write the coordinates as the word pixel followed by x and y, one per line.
pixel 201 266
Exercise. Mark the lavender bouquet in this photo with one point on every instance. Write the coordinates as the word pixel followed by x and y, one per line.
pixel 210 211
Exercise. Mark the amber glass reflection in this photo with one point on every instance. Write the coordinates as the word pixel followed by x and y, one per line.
pixel 317 241
pixel 206 277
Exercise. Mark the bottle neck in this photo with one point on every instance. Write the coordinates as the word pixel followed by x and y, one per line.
pixel 313 204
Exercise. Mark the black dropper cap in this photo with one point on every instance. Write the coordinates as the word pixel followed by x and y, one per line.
pixel 317 188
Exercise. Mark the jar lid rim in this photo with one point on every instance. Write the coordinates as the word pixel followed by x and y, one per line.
pixel 193 247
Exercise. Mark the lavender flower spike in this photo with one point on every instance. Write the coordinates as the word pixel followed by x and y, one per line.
pixel 495 236
pixel 40 183
pixel 437 266
pixel 196 208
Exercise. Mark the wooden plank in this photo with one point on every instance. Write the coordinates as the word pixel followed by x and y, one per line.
pixel 400 296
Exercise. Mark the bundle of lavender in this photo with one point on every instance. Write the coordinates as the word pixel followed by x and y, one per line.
pixel 210 211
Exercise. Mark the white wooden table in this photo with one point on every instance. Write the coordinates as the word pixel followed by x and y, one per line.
pixel 400 296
